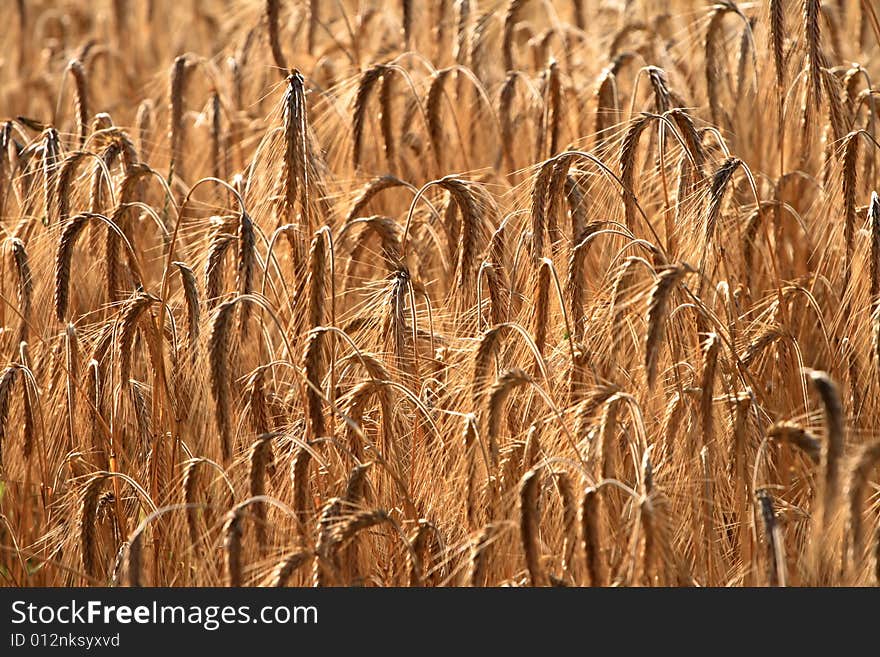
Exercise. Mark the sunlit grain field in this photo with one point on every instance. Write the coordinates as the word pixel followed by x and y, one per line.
pixel 447 293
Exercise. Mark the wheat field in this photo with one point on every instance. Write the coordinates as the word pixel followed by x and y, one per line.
pixel 447 293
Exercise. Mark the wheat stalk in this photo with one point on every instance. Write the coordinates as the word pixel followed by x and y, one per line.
pixel 867 458
pixel 529 524
pixel 80 99
pixel 590 536
pixel 658 304
pixel 832 449
pixel 219 343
